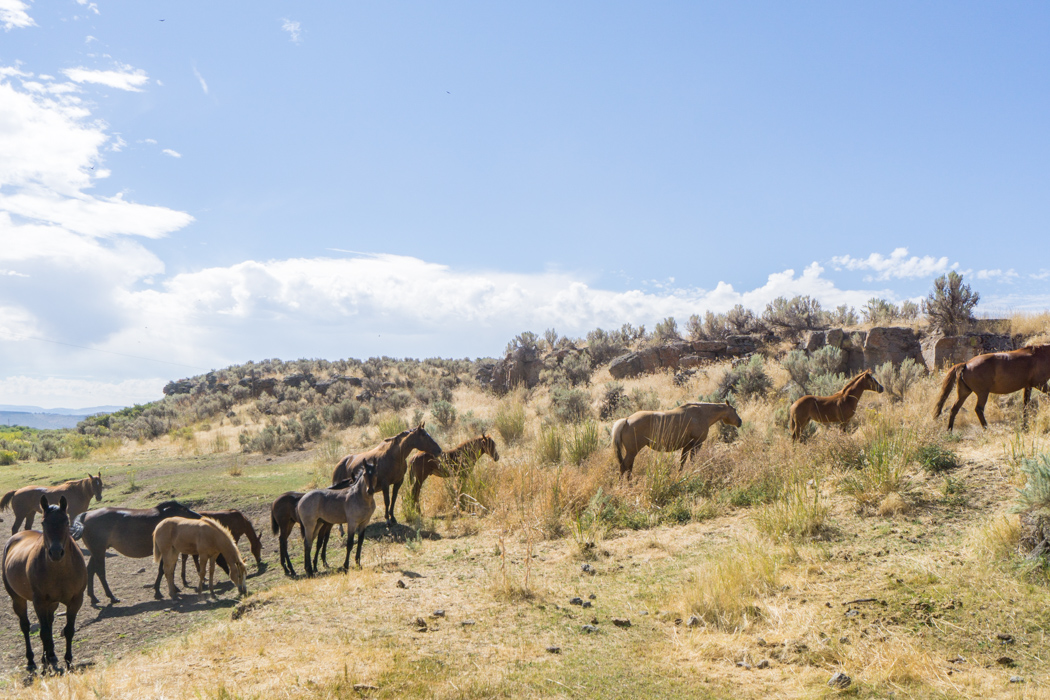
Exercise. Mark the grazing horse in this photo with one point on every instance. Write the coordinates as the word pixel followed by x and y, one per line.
pixel 206 540
pixel 46 568
pixel 837 408
pixel 390 458
pixel 239 526
pixel 997 373
pixel 353 505
pixel 683 428
pixel 460 458
pixel 127 530
pixel 283 520
pixel 25 502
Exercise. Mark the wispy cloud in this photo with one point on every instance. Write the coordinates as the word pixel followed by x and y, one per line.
pixel 173 154
pixel 204 85
pixel 75 393
pixel 997 274
pixel 124 78
pixel 293 28
pixel 896 265
pixel 13 15
pixel 89 5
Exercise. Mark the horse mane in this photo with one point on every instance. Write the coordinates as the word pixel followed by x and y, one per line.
pixel 400 435
pixel 168 504
pixel 215 522
pixel 853 382
pixel 469 442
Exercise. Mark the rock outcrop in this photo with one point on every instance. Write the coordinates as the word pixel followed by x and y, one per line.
pixel 891 344
pixel 680 355
pixel 941 350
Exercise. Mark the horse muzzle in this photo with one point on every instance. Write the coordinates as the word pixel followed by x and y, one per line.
pixel 55 552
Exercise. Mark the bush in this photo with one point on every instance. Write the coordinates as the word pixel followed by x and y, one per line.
pixel 805 369
pixel 8 457
pixel 603 347
pixel 391 425
pixel 549 448
pixel 878 311
pixel 613 399
pixel 898 380
pixel 792 316
pixel 799 513
pixel 666 331
pixel 570 405
pixel 573 370
pixel 950 305
pixel 843 316
pixel 510 420
pixel 583 442
pixel 1035 496
pixel 746 380
pixel 936 459
pixel 444 413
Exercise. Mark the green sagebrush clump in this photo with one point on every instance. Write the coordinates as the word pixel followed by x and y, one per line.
pixel 1035 495
pixel 570 405
pixel 935 459
pixel 897 380
pixel 815 374
pixel 746 380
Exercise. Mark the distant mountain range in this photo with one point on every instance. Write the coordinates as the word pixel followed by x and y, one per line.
pixel 49 418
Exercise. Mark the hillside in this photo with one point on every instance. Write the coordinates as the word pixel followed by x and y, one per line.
pixel 887 552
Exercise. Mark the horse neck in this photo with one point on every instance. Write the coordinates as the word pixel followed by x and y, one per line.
pixel 471 449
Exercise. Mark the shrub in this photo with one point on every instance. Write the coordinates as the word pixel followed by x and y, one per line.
pixel 843 316
pixel 8 457
pixel 391 425
pixel 312 425
pixel 573 370
pixel 805 370
pixel 666 331
pixel 878 311
pixel 742 321
pixel 1035 495
pixel 444 413
pixel 583 442
pixel 510 420
pixel 897 380
pixel 570 405
pixel 603 347
pixel 800 512
pixel 950 305
pixel 792 316
pixel 613 399
pixel 588 527
pixel 886 459
pixel 474 424
pixel 746 380
pixel 549 448
pixel 363 416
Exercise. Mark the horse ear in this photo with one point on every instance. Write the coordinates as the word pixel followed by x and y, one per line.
pixel 43 503
pixel 89 475
pixel 62 504
pixel 422 425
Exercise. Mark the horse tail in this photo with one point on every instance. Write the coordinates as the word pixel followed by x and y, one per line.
pixel 76 528
pixel 792 421
pixel 617 439
pixel 953 375
pixel 274 525
pixel 158 551
pixel 6 500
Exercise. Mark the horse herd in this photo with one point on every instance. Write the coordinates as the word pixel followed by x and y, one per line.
pixel 48 568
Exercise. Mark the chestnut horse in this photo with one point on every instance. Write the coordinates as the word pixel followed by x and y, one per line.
pixel 239 526
pixel 837 408
pixel 206 540
pixel 25 502
pixel 390 458
pixel 460 458
pixel 46 568
pixel 683 428
pixel 997 373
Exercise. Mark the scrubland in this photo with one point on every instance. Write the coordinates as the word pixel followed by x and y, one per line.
pixel 887 551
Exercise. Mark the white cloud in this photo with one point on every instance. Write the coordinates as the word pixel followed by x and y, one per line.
pixel 996 274
pixel 13 15
pixel 897 265
pixel 88 39
pixel 152 142
pixel 204 85
pixel 125 78
pixel 89 5
pixel 294 29
pixel 75 393
pixel 173 154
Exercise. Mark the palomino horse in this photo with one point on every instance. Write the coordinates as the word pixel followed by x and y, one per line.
pixel 353 505
pixel 463 457
pixel 25 502
pixel 683 428
pixel 206 540
pixel 390 458
pixel 837 408
pixel 997 373
pixel 127 530
pixel 283 520
pixel 46 568
pixel 239 526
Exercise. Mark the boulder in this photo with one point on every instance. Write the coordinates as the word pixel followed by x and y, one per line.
pixel 648 360
pixel 741 345
pixel 891 344
pixel 814 340
pixel 183 386
pixel 297 380
pixel 941 350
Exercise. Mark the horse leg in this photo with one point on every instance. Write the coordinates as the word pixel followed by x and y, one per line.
pixel 360 541
pixel 72 608
pixel 393 502
pixel 308 540
pixel 29 519
pixel 321 546
pixel 1024 410
pixel 979 408
pixel 14 531
pixel 627 467
pixel 386 508
pixel 349 546
pixel 963 392
pixel 22 611
pixel 101 570
pixel 168 565
pixel 282 546
pixel 211 576
pixel 417 485
pixel 45 615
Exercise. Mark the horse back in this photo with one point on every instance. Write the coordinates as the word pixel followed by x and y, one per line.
pixel 128 531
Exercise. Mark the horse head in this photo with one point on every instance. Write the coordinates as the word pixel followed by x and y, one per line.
pixel 173 509
pixel 369 476
pixel 489 447
pixel 96 485
pixel 420 439
pixel 731 417
pixel 55 526
pixel 869 383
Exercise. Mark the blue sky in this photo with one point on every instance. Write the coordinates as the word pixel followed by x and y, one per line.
pixel 417 179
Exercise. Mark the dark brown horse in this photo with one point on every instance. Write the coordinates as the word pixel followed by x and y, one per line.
pixel 837 408
pixel 996 373
pixel 463 457
pixel 25 502
pixel 283 519
pixel 390 458
pixel 127 530
pixel 46 568
pixel 239 526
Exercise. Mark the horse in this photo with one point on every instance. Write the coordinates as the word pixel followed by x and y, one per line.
pixel 204 538
pixel 46 568
pixel 462 457
pixel 353 505
pixel 239 526
pixel 25 502
pixel 127 530
pixel 996 373
pixel 683 428
pixel 283 520
pixel 837 408
pixel 390 458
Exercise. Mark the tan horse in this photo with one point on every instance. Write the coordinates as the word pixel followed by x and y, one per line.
pixel 460 458
pixel 390 458
pixel 25 502
pixel 203 538
pixel 46 568
pixel 239 526
pixel 996 373
pixel 683 428
pixel 837 408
